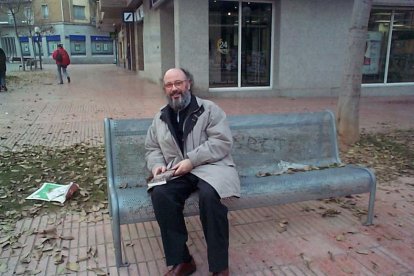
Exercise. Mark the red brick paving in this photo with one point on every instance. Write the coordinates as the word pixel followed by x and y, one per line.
pixel 312 245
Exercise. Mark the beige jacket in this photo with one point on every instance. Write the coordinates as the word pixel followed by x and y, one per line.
pixel 207 145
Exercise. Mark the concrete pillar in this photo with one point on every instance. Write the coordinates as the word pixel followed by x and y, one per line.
pixel 191 40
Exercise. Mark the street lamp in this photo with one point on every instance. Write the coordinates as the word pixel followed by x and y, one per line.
pixel 37 31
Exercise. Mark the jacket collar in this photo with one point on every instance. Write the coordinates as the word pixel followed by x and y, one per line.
pixel 194 112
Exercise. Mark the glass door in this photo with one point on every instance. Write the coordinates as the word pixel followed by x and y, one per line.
pixel 239 60
pixel 255 52
pixel 223 43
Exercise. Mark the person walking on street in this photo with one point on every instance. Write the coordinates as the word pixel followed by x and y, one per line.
pixel 3 68
pixel 62 61
pixel 191 136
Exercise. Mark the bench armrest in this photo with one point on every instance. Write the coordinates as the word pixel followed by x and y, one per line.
pixel 112 193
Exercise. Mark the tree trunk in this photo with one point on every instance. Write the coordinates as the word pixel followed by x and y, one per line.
pixel 18 39
pixel 348 101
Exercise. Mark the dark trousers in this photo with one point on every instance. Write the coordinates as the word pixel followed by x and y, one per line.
pixel 168 201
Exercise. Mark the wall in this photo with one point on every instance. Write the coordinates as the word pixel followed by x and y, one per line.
pixel 313 38
pixel 191 40
pixel 152 44
pixel 167 37
pixel 55 11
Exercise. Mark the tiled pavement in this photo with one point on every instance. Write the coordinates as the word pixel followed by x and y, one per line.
pixel 55 115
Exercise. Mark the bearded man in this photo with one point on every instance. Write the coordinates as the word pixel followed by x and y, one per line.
pixel 191 136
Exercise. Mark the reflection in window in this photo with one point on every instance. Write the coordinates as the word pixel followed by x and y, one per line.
pixel 102 45
pixel 234 64
pixel 256 33
pixel 223 43
pixel 399 66
pixel 77 45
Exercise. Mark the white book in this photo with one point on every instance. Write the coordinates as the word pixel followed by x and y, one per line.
pixel 161 179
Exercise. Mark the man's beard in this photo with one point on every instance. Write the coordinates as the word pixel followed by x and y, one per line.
pixel 180 103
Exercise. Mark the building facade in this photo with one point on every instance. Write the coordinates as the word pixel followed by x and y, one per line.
pixel 43 24
pixel 260 48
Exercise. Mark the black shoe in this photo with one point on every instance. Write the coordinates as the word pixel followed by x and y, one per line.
pixel 68 79
pixel 5 88
pixel 60 82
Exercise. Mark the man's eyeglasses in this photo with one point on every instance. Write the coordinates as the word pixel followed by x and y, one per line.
pixel 177 84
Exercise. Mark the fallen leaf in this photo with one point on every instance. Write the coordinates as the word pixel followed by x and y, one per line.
pixel 3 267
pixel 72 266
pixel 340 237
pixel 98 271
pixel 363 252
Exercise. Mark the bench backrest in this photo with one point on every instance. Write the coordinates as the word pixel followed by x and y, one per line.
pixel 260 142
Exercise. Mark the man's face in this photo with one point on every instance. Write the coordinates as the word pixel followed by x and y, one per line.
pixel 176 87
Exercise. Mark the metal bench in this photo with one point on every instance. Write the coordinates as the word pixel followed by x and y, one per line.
pixel 260 143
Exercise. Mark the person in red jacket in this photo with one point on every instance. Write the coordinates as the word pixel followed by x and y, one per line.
pixel 62 61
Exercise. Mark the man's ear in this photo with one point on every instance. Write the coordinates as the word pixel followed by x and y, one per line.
pixel 189 84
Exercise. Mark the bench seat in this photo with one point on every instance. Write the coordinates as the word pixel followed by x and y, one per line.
pixel 135 204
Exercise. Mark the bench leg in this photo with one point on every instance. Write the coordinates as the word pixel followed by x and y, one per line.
pixel 371 202
pixel 116 234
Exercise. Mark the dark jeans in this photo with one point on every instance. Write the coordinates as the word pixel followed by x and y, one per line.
pixel 168 201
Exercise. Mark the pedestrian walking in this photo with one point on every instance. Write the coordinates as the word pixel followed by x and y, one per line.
pixel 3 68
pixel 191 136
pixel 62 61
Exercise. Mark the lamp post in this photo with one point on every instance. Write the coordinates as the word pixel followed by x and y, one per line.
pixel 37 31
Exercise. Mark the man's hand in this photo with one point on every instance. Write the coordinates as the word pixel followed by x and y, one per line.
pixel 183 167
pixel 158 170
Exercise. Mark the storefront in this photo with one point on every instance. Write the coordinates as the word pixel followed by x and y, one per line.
pixel 239 60
pixel 276 48
pixel 389 56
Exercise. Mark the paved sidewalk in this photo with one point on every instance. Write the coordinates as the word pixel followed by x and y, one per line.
pixel 61 115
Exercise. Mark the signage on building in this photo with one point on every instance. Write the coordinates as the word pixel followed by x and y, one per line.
pixel 222 46
pixel 53 38
pixel 24 39
pixel 139 14
pixel 372 53
pixel 77 37
pixel 100 38
pixel 128 17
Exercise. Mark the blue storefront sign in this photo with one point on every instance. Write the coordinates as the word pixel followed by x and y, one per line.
pixel 77 37
pixel 24 39
pixel 53 38
pixel 100 38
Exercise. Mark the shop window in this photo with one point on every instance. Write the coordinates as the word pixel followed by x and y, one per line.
pixel 52 43
pixel 24 42
pixel 239 53
pixel 77 45
pixel 389 53
pixel 223 43
pixel 401 65
pixel 102 45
